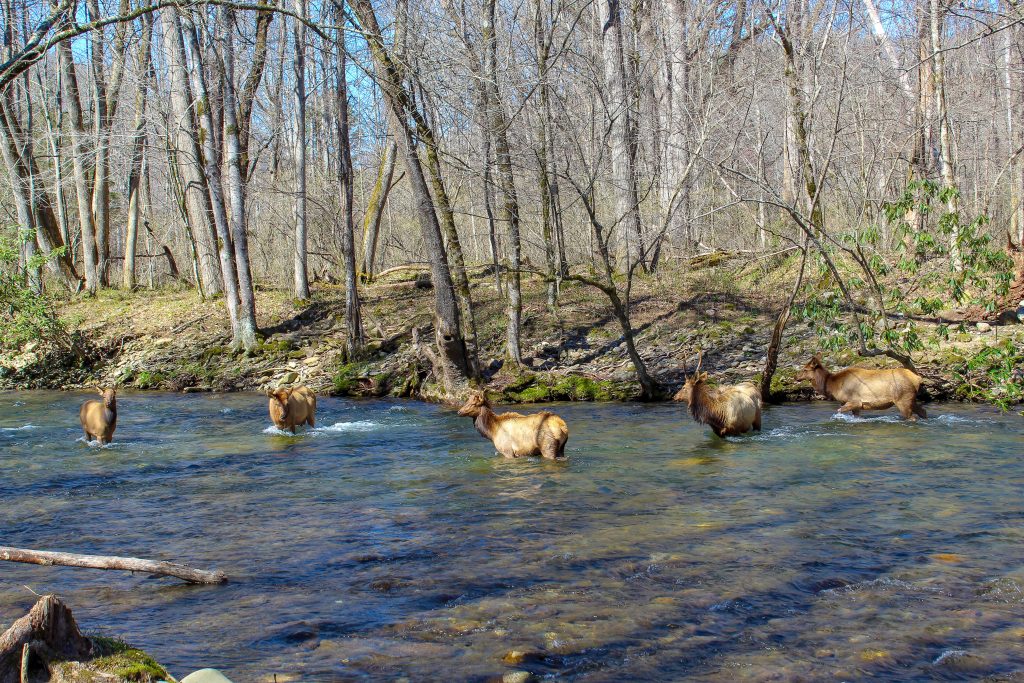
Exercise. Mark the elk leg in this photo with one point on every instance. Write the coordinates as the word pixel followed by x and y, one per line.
pixel 310 420
pixel 757 421
pixel 852 407
pixel 548 446
pixel 920 411
pixel 906 409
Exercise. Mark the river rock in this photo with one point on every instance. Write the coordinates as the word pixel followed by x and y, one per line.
pixel 206 676
pixel 983 327
pixel 289 377
pixel 517 677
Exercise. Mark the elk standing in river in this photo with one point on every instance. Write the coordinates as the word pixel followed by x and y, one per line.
pixel 515 435
pixel 728 410
pixel 99 418
pixel 865 388
pixel 291 407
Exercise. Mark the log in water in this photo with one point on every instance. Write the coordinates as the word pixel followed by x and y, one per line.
pixel 127 564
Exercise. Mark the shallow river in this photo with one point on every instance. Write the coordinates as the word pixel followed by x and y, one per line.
pixel 390 542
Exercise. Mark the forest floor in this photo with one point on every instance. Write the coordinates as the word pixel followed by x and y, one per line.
pixel 171 339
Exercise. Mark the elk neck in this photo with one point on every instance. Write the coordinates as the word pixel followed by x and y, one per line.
pixel 821 378
pixel 703 408
pixel 486 422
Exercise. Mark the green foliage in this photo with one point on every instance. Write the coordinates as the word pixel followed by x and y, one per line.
pixel 346 377
pixel 25 315
pixel 148 380
pixel 917 274
pixel 128 663
pixel 995 374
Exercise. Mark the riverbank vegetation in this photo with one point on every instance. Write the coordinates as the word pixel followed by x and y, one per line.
pixel 170 339
pixel 557 199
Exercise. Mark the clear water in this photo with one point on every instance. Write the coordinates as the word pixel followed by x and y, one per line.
pixel 391 543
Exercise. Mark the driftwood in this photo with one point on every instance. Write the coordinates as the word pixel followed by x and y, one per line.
pixel 48 629
pixel 128 564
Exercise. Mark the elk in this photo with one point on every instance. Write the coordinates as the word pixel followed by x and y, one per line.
pixel 99 417
pixel 515 435
pixel 291 407
pixel 865 388
pixel 728 410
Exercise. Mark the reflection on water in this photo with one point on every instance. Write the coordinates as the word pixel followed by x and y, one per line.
pixel 390 542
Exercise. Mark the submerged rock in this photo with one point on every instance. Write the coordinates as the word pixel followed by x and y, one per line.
pixel 206 676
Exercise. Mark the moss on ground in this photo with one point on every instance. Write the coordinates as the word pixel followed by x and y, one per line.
pixel 113 660
pixel 120 659
pixel 544 387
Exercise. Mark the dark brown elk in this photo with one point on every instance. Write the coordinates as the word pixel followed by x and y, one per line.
pixel 515 435
pixel 291 407
pixel 99 417
pixel 728 410
pixel 866 388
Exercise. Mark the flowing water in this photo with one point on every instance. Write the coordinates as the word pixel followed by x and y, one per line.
pixel 391 543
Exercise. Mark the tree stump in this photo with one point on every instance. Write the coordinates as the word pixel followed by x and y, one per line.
pixel 49 627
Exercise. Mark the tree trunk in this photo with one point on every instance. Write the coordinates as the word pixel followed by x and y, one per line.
pixel 29 195
pixel 251 85
pixel 299 253
pixel 775 344
pixel 353 319
pixel 937 23
pixel 79 154
pixel 546 177
pixel 237 175
pixel 677 65
pixel 509 214
pixel 207 134
pixel 193 184
pixel 452 358
pixel 620 120
pixel 138 149
pixel 375 209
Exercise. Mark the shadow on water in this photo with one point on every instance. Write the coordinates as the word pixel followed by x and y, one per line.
pixel 390 541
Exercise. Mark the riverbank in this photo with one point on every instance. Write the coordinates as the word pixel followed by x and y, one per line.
pixel 172 340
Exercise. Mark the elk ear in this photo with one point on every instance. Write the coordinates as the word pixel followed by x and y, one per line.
pixel 816 359
pixel 703 377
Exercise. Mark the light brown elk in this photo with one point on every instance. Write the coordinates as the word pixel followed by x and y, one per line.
pixel 728 410
pixel 515 435
pixel 866 388
pixel 291 407
pixel 99 417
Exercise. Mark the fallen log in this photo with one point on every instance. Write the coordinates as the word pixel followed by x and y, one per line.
pixel 128 564
pixel 50 627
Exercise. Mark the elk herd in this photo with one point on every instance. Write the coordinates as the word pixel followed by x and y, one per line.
pixel 727 409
